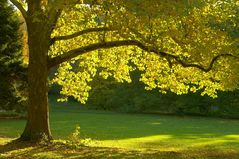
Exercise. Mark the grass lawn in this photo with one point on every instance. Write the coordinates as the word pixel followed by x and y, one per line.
pixel 128 135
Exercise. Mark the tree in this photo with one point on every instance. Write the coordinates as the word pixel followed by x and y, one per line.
pixel 169 43
pixel 11 69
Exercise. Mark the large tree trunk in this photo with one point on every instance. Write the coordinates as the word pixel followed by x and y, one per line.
pixel 37 127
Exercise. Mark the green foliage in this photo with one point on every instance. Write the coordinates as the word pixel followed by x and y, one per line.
pixel 10 47
pixel 12 72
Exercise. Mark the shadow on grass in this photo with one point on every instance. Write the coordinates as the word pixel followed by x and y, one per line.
pixel 17 150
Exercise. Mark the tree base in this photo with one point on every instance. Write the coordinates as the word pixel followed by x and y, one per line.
pixel 37 138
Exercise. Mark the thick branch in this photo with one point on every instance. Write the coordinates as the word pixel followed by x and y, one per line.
pixel 20 8
pixel 80 33
pixel 82 50
pixel 79 51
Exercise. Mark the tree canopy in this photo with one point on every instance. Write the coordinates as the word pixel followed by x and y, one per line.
pixel 180 46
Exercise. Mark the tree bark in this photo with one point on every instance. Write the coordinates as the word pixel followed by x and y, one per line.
pixel 37 127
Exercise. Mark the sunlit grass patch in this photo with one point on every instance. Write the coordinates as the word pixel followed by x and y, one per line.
pixel 167 143
pixel 4 140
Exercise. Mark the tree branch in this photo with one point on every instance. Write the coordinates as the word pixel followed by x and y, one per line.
pixel 79 51
pixel 80 33
pixel 82 50
pixel 20 8
pixel 214 59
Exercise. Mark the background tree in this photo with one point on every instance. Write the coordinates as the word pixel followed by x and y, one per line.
pixel 12 72
pixel 170 43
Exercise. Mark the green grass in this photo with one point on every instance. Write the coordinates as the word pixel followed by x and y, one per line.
pixel 195 136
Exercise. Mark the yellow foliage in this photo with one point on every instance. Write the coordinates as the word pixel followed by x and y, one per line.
pixel 182 29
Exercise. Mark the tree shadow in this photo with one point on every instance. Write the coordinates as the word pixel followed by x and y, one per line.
pixel 16 149
pixel 15 144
